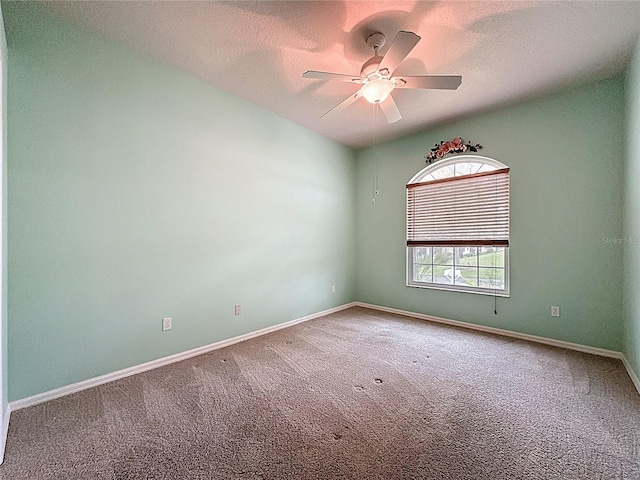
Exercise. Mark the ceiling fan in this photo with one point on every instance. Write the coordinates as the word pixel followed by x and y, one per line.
pixel 376 76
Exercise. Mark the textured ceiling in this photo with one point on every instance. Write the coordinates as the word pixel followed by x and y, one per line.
pixel 504 51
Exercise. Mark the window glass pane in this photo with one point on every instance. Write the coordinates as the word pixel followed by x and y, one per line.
pixel 422 255
pixel 466 256
pixel 444 172
pixel 491 256
pixel 443 256
pixel 492 278
pixel 467 168
pixel 466 276
pixel 443 274
pixel 462 169
pixel 423 273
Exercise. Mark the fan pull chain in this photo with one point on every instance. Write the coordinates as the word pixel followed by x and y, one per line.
pixel 374 142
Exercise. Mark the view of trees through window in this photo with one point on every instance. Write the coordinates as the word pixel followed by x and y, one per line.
pixel 482 266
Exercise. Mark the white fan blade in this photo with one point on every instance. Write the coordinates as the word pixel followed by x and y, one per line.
pixel 344 104
pixel 399 49
pixel 442 82
pixel 341 77
pixel 390 110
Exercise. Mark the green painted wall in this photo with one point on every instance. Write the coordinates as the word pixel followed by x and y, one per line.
pixel 4 304
pixel 137 191
pixel 566 156
pixel 632 218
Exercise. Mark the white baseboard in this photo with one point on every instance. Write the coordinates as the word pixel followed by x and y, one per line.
pixel 522 336
pixel 5 431
pixel 498 331
pixel 632 373
pixel 160 362
pixel 110 377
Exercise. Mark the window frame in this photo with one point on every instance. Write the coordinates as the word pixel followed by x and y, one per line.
pixel 410 281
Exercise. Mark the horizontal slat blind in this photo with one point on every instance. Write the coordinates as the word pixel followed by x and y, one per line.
pixel 465 210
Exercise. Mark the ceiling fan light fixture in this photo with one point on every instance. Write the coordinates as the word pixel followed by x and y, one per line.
pixel 377 90
pixel 376 76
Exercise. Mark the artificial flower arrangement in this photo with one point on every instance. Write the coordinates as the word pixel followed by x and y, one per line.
pixel 456 145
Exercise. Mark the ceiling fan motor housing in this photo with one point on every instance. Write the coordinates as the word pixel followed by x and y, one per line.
pixel 376 40
pixel 370 68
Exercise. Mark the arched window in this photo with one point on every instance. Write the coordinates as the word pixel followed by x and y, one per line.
pixel 458 226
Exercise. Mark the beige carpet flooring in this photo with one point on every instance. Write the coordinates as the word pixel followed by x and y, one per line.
pixel 358 394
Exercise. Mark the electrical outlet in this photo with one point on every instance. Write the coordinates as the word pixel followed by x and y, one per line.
pixel 555 311
pixel 166 323
pixel 333 289
pixel 238 310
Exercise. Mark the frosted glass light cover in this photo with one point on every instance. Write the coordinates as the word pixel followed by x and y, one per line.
pixel 377 90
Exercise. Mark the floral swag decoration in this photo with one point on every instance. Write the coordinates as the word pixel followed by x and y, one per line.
pixel 456 145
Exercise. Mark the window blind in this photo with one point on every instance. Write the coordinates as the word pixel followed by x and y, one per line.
pixel 466 210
